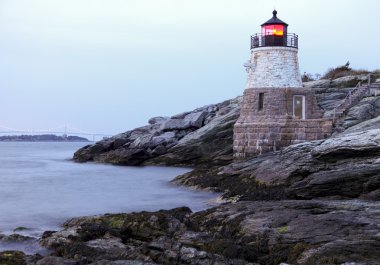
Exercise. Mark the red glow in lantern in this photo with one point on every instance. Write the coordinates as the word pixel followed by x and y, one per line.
pixel 277 30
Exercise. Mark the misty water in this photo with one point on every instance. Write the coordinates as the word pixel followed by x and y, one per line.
pixel 40 188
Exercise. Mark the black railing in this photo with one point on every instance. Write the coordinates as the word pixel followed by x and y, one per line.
pixel 261 40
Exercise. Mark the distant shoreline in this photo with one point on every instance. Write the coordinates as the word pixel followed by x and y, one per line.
pixel 42 138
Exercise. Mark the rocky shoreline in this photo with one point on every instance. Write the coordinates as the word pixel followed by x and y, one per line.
pixel 42 138
pixel 311 203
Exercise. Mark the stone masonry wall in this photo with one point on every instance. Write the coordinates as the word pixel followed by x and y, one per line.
pixel 260 137
pixel 273 127
pixel 277 102
pixel 274 67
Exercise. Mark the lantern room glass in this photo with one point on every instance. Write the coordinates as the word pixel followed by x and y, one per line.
pixel 277 30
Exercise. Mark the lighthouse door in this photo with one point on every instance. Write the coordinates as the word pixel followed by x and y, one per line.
pixel 299 106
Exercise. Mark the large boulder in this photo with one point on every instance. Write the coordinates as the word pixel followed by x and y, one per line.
pixel 341 82
pixel 159 119
pixel 321 83
pixel 175 124
pixel 165 138
pixel 201 136
pixel 209 145
pixel 192 120
pixel 364 126
pixel 349 145
pixel 368 108
pixel 348 81
pixel 195 119
pixel 329 98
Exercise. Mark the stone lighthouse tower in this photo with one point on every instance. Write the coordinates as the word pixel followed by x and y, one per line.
pixel 277 111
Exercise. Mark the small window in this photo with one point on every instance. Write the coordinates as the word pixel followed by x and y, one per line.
pixel 261 101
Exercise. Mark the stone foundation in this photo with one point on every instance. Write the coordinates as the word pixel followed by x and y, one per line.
pixel 261 137
pixel 273 127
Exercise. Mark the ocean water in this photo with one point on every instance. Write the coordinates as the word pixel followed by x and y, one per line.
pixel 40 187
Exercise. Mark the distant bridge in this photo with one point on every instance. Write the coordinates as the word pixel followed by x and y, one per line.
pixel 60 130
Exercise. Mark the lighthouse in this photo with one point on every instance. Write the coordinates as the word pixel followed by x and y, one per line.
pixel 277 110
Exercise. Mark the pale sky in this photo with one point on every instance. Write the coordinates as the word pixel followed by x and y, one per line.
pixel 109 65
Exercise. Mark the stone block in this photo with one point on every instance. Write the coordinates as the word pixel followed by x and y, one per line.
pixel 196 119
pixel 313 130
pixel 287 136
pixel 300 136
pixel 174 124
pixel 163 139
pixel 156 120
pixel 299 130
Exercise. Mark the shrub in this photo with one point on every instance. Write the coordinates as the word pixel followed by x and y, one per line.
pixel 306 77
pixel 344 70
pixel 376 74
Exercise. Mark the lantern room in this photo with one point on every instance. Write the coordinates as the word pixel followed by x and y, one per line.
pixel 274 32
pixel 274 26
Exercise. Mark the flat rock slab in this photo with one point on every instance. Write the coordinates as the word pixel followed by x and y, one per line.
pixel 357 142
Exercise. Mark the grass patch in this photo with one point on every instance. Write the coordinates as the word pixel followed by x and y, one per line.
pixel 116 224
pixel 342 71
pixel 283 229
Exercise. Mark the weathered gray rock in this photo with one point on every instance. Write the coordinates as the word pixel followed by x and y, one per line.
pixel 368 108
pixel 56 261
pixel 122 262
pixel 156 120
pixel 329 98
pixel 107 243
pixel 164 139
pixel 346 166
pixel 321 83
pixel 181 115
pixel 295 232
pixel 54 238
pixel 211 144
pixel 207 134
pixel 365 126
pixel 195 119
pixel 348 81
pixel 192 120
pixel 341 82
pixel 352 144
pixel 175 124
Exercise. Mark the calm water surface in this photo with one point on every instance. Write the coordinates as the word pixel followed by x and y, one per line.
pixel 40 187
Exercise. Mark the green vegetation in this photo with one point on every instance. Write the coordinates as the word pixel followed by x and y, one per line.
pixel 306 77
pixel 12 258
pixel 340 71
pixel 283 229
pixel 297 250
pixel 343 70
pixel 115 223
